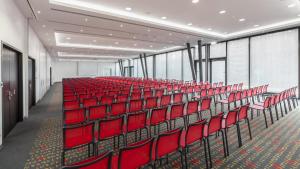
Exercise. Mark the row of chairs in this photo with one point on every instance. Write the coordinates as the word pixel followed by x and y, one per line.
pixel 152 149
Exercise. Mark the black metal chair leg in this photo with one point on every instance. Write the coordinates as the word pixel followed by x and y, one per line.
pixel 209 155
pixel 265 118
pixel 249 128
pixel 285 107
pixel 226 151
pixel 239 134
pixel 281 109
pixel 271 115
pixel 205 153
pixel 224 143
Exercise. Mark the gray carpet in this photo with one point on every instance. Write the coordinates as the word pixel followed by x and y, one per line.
pixel 17 145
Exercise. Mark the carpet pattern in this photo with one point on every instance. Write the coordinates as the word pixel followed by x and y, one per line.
pixel 276 147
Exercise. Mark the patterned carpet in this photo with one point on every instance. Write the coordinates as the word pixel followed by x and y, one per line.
pixel 276 147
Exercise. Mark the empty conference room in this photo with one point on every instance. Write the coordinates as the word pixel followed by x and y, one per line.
pixel 140 84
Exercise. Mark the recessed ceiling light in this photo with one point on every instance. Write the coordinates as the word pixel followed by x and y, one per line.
pixel 190 24
pixel 291 5
pixel 38 12
pixel 86 19
pixel 95 40
pixel 242 19
pixel 135 44
pixel 163 17
pixel 116 43
pixel 149 30
pixel 195 1
pixel 151 46
pixel 256 25
pixel 134 37
pixel 68 38
pixel 222 12
pixel 110 34
pixel 128 9
pixel 81 30
pixel 209 29
pixel 121 25
pixel 213 43
pixel 170 34
pixel 44 26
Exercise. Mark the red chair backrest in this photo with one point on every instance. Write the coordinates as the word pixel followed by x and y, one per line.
pixel 136 155
pixel 177 98
pixel 231 97
pixel 205 104
pixel 74 136
pixel 111 127
pixel 97 112
pixel 90 102
pixel 228 88
pixel 192 107
pixel 244 94
pixel 165 100
pixel 151 103
pixel 176 111
pixel 249 92
pixel 240 87
pixel 167 143
pixel 135 105
pixel 231 118
pixel 158 115
pixel 74 116
pixel 238 95
pixel 102 161
pixel 243 112
pixel 267 102
pixel 159 92
pixel 136 96
pixel 70 97
pixel 107 100
pixel 122 98
pixel 74 104
pixel 235 87
pixel 203 93
pixel 136 121
pixel 215 123
pixel 118 108
pixel 194 132
pixel 147 94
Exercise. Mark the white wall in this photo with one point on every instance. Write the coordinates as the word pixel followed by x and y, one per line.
pixel 70 69
pixel 16 32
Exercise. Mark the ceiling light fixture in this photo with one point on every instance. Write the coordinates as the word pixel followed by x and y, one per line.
pixel 256 25
pixel 121 25
pixel 291 5
pixel 86 19
pixel 68 38
pixel 170 34
pixel 189 24
pixel 213 43
pixel 135 44
pixel 38 12
pixel 242 19
pixel 195 1
pixel 128 9
pixel 151 46
pixel 164 17
pixel 222 12
pixel 148 30
pixel 209 29
pixel 81 30
pixel 116 43
pixel 44 26
pixel 110 34
pixel 95 40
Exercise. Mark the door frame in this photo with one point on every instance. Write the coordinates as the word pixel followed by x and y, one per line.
pixel 33 81
pixel 20 83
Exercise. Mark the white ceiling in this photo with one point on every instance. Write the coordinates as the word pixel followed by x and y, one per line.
pixel 104 28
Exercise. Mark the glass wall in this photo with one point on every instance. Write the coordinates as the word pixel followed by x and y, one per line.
pixel 161 62
pixel 218 71
pixel 187 72
pixel 238 62
pixel 274 60
pixel 174 65
pixel 218 50
pixel 150 66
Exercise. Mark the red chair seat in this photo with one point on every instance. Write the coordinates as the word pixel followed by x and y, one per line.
pixel 223 101
pixel 257 107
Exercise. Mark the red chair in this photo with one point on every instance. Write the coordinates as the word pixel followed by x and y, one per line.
pixel 136 96
pixel 122 98
pixel 108 100
pixel 240 87
pixel 165 100
pixel 205 106
pixel 177 98
pixel 214 126
pixel 193 134
pixel 70 97
pixel 74 104
pixel 102 161
pixel 90 102
pixel 74 116
pixel 159 92
pixel 228 101
pixel 151 102
pixel 136 122
pixel 176 113
pixel 135 155
pixel 111 128
pixel 118 109
pixel 78 136
pixel 264 107
pixel 148 94
pixel 238 97
pixel 158 116
pixel 135 106
pixel 97 112
pixel 229 120
pixel 167 143
pixel 192 108
pixel 243 116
